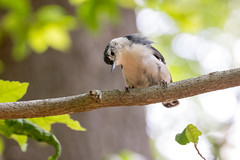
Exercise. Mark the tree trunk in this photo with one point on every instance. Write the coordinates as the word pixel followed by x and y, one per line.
pixel 54 74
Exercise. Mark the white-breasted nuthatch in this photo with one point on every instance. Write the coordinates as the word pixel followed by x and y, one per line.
pixel 142 64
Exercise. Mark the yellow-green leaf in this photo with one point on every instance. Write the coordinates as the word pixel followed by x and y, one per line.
pixel 12 91
pixel 192 133
pixel 21 140
pixel 189 134
pixel 46 122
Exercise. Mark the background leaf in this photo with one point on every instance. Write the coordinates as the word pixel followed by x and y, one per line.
pixel 12 91
pixel 46 122
pixel 21 140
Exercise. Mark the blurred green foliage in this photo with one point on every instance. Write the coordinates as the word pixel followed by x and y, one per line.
pixel 15 24
pixel 49 25
pixel 192 16
pixel 93 12
pixel 50 29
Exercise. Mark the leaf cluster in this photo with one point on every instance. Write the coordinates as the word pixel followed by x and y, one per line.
pixel 38 129
pixel 189 134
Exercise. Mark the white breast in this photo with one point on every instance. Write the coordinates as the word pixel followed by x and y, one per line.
pixel 141 68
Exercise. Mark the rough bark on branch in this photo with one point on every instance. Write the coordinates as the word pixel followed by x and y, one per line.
pixel 99 99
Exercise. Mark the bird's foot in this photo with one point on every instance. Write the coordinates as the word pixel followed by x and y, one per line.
pixel 127 89
pixel 163 83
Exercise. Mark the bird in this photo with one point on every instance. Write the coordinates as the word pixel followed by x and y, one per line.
pixel 142 65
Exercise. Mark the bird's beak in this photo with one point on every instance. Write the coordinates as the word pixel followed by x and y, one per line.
pixel 113 66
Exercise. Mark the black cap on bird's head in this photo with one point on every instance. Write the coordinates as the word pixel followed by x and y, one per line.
pixel 106 55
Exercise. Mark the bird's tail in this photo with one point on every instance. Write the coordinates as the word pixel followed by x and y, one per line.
pixel 170 104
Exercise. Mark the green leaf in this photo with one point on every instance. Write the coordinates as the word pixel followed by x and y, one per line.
pixel 21 140
pixel 192 133
pixel 5 129
pixel 26 128
pixel 8 132
pixel 12 91
pixel 46 122
pixel 189 134
pixel 181 138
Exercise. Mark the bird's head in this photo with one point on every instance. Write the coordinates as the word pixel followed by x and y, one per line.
pixel 114 50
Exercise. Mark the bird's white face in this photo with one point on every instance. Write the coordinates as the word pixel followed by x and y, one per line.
pixel 114 50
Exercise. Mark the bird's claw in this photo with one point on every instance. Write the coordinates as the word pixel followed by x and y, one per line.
pixel 163 83
pixel 127 89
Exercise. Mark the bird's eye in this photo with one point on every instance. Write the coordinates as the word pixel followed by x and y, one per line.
pixel 112 53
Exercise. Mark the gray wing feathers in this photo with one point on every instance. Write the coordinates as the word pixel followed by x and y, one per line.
pixel 158 55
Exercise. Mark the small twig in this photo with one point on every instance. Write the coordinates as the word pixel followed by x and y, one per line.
pixel 195 145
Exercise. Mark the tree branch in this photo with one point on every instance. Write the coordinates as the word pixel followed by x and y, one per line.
pixel 99 99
